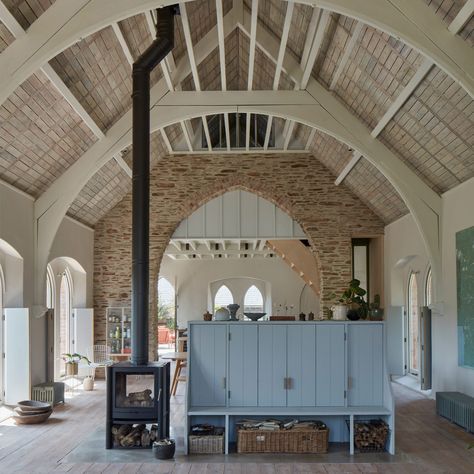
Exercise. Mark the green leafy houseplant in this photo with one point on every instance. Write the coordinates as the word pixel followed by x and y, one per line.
pixel 353 298
pixel 72 362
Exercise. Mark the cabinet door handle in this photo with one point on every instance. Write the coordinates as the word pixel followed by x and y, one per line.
pixel 289 384
pixel 224 383
pixel 284 383
pixel 349 383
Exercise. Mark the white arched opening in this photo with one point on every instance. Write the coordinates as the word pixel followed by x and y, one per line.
pixel 223 298
pixel 65 329
pixel 428 288
pixel 413 325
pixel 253 301
pixel 66 289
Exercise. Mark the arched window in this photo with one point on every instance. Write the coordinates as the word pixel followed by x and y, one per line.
pixel 64 336
pixel 428 289
pixel 223 297
pixel 413 325
pixel 253 300
pixel 166 300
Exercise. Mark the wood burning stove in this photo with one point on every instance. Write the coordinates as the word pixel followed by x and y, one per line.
pixel 138 391
pixel 137 396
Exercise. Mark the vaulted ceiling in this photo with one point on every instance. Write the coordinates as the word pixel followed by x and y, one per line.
pixel 418 111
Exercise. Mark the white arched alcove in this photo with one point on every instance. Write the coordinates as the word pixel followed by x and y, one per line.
pixel 11 263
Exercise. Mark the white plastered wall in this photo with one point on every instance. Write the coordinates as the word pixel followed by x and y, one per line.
pixel 72 240
pixel 403 244
pixel 194 278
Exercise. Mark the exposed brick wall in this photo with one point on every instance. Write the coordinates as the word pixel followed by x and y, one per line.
pixel 297 183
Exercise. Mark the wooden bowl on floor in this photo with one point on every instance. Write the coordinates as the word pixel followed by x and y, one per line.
pixel 33 406
pixel 23 418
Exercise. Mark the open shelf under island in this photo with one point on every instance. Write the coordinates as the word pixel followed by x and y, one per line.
pixel 332 371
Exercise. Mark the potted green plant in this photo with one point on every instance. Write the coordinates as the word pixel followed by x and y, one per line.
pixel 375 311
pixel 72 362
pixel 351 304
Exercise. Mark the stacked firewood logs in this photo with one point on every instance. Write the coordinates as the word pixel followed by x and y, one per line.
pixel 370 436
pixel 134 436
pixel 136 399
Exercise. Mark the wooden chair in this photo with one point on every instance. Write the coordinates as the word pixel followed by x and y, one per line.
pixel 180 365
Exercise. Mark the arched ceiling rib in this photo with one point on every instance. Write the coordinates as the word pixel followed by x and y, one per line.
pixel 371 77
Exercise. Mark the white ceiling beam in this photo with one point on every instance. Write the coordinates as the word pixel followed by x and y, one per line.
pixel 313 25
pixel 10 21
pixel 283 42
pixel 347 54
pixel 348 168
pixel 242 151
pixel 315 47
pixel 279 63
pixel 193 64
pixel 166 140
pixel 166 69
pixel 123 164
pixel 291 126
pixel 310 139
pixel 253 36
pixel 67 22
pixel 221 39
pixel 462 17
pixel 396 105
pixel 123 43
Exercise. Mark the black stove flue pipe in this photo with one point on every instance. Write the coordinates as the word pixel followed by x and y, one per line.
pixel 142 68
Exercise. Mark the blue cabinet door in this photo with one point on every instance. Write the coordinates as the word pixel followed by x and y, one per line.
pixel 208 359
pixel 272 355
pixel 301 381
pixel 365 364
pixel 243 365
pixel 330 365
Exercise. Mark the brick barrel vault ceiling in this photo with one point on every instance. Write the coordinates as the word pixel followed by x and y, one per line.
pixel 40 136
pixel 6 37
pixel 447 11
pixel 109 186
pixel 97 73
pixel 27 12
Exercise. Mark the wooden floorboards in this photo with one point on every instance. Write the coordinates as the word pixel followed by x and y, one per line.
pixel 426 444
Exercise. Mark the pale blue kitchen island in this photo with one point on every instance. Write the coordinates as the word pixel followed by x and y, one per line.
pixel 334 371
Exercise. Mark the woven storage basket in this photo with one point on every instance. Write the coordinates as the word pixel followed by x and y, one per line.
pixel 206 444
pixel 284 441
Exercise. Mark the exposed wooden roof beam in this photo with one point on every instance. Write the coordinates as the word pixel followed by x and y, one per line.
pixel 396 105
pixel 462 17
pixel 346 55
pixel 221 39
pixel 123 42
pixel 192 61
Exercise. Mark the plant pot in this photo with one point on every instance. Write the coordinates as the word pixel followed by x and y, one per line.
pixel 164 451
pixel 88 384
pixel 353 315
pixel 376 314
pixel 72 368
pixel 339 312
